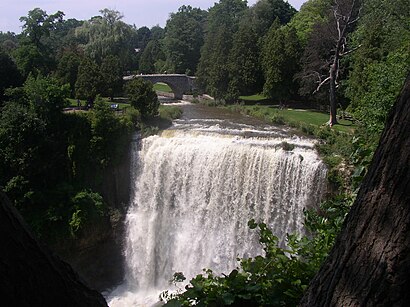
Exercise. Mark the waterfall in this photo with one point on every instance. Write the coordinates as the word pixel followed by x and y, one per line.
pixel 195 190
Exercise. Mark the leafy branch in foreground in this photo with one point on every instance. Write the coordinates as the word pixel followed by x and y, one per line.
pixel 280 277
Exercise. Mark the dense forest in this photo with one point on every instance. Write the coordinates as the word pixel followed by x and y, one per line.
pixel 346 55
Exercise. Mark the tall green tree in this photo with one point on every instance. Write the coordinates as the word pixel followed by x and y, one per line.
pixel 67 70
pixel 311 13
pixel 111 76
pixel 8 41
pixel 184 38
pixel 280 62
pixel 108 35
pixel 150 56
pixel 380 64
pixel 10 75
pixel 142 97
pixel 245 75
pixel 213 68
pixel 45 95
pixel 34 54
pixel 88 82
pixel 265 12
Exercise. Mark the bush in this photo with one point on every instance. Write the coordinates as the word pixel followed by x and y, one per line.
pixel 142 97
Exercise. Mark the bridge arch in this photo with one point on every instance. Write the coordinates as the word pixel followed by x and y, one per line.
pixel 180 84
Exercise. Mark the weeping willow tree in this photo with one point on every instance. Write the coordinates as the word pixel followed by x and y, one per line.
pixel 107 35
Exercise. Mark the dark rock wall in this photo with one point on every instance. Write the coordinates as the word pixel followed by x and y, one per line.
pixel 30 275
pixel 97 253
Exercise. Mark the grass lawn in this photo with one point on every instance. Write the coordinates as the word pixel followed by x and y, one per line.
pixel 289 116
pixel 162 87
pixel 255 98
pixel 121 105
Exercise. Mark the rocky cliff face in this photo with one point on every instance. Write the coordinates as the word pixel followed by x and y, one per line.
pixel 97 253
pixel 30 274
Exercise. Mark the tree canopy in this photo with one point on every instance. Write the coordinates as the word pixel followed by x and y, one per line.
pixel 142 97
pixel 184 38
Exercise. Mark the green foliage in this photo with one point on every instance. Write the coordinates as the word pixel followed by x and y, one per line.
pixel 111 75
pixel 30 59
pixel 47 157
pixel 286 146
pixel 265 12
pixel 151 55
pixel 10 76
pixel 107 35
pixel 88 82
pixel 311 13
pixel 213 68
pixel 86 206
pixel 381 64
pixel 170 112
pixel 184 38
pixel 34 54
pixel 281 52
pixel 244 67
pixel 106 127
pixel 279 278
pixel 67 70
pixel 45 95
pixel 142 97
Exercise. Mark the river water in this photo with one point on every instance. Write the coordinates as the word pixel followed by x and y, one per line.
pixel 196 185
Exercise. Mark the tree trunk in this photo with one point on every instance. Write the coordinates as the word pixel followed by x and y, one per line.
pixel 30 275
pixel 332 94
pixel 370 262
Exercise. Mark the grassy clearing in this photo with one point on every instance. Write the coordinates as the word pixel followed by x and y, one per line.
pixel 294 117
pixel 162 87
pixel 169 112
pixel 254 98
pixel 120 102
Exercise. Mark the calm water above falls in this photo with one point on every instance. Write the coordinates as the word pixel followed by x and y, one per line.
pixel 196 186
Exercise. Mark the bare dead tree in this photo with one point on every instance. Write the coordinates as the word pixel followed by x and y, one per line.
pixel 326 47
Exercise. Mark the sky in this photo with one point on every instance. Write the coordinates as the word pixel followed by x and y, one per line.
pixel 139 12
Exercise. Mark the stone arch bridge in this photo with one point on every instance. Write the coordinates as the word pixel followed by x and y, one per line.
pixel 180 84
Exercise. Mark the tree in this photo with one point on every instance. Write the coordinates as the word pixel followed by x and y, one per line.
pixel 142 97
pixel 45 95
pixel 143 37
pixel 326 46
pixel 8 41
pixel 245 77
pixel 150 56
pixel 38 24
pixel 10 76
pixel 311 13
pixel 280 58
pixel 88 81
pixel 34 53
pixel 184 38
pixel 108 35
pixel 369 263
pixel 111 76
pixel 213 68
pixel 265 12
pixel 380 65
pixel 67 70
pixel 157 32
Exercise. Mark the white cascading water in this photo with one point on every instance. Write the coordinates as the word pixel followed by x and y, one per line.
pixel 194 192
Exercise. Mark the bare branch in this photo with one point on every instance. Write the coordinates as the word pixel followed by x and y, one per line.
pixel 321 84
pixel 349 51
